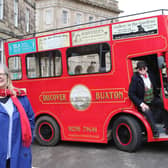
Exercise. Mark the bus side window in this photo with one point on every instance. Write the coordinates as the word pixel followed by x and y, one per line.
pixel 32 64
pixel 14 64
pixel 44 64
pixel 89 59
pixel 165 79
pixel 134 63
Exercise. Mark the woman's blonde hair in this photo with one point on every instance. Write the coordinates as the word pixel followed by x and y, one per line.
pixel 9 84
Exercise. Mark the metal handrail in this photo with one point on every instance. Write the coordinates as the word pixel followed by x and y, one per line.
pixel 112 20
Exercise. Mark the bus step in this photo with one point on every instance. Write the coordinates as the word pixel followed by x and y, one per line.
pixel 161 130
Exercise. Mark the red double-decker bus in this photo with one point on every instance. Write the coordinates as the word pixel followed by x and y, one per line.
pixel 77 81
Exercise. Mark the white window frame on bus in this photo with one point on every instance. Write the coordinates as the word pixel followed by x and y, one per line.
pixel 89 62
pixel 16 12
pixel 50 70
pixel 1 9
pixel 1 51
pixel 14 64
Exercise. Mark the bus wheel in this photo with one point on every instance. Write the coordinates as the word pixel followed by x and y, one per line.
pixel 47 131
pixel 127 134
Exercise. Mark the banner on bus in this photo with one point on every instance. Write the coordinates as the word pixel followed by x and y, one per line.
pixel 135 28
pixel 92 35
pixel 53 41
pixel 21 47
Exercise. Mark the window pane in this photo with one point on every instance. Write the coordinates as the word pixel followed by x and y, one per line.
pixel 91 18
pixel 33 66
pixel 27 20
pixel 16 12
pixel 48 16
pixel 1 50
pixel 89 59
pixel 44 64
pixel 15 67
pixel 65 17
pixel 1 8
pixel 78 18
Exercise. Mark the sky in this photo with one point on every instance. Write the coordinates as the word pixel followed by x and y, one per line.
pixel 137 6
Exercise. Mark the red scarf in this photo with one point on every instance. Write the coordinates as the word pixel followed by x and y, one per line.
pixel 25 124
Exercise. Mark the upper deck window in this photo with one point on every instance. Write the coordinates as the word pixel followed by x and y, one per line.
pixel 44 64
pixel 89 59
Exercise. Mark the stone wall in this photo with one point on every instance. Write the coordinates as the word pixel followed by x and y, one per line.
pixel 7 27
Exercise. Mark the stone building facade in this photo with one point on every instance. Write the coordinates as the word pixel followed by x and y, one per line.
pixel 52 14
pixel 17 18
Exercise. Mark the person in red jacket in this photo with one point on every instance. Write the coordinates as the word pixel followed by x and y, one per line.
pixel 17 124
pixel 144 94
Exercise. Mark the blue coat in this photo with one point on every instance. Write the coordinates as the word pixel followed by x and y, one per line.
pixel 21 156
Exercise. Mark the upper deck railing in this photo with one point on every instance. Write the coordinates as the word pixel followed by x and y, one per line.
pixel 107 21
pixel 98 22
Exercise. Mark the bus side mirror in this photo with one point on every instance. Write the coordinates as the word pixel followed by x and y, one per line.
pixel 161 62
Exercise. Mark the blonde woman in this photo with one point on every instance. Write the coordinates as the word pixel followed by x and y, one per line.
pixel 17 124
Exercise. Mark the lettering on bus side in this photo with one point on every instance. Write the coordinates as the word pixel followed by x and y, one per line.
pixel 53 98
pixel 81 97
pixel 110 95
pixel 83 129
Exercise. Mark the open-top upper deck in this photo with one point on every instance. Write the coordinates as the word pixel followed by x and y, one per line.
pixel 139 27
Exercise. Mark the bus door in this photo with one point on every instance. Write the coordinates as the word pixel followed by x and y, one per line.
pixel 163 66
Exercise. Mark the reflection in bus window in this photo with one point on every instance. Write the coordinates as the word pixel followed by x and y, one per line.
pixel 165 80
pixel 44 64
pixel 89 59
pixel 15 67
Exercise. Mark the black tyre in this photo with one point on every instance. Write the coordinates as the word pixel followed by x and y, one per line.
pixel 47 131
pixel 127 134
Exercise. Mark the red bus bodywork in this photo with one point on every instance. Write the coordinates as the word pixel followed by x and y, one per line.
pixel 104 95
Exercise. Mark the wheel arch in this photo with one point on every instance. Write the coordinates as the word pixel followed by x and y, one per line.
pixel 136 115
pixel 41 114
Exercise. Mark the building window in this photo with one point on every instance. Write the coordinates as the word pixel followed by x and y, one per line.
pixel 27 20
pixel 16 12
pixel 78 18
pixel 91 18
pixel 1 51
pixel 1 8
pixel 48 17
pixel 65 17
